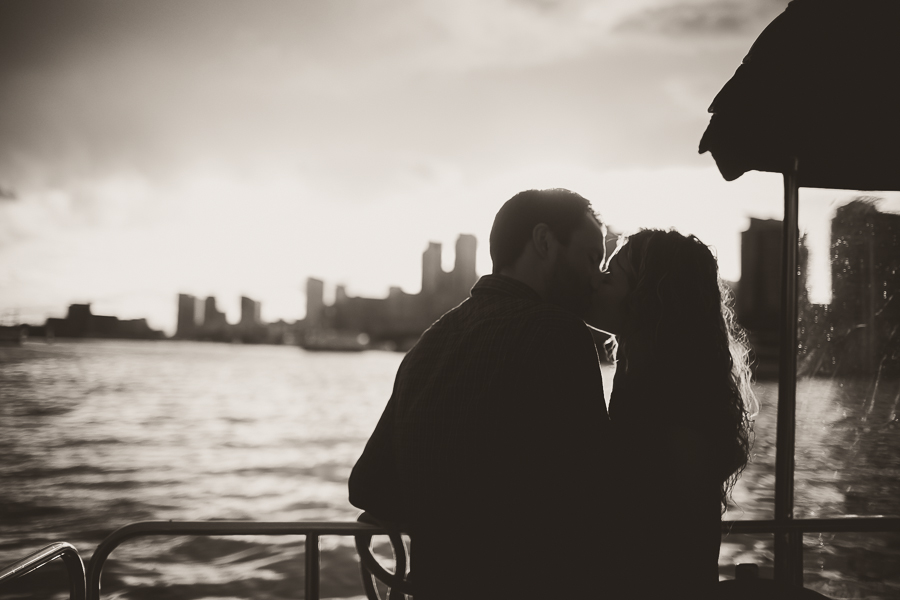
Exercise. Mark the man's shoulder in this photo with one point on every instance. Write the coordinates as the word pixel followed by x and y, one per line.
pixel 507 327
pixel 541 318
pixel 506 313
pixel 550 314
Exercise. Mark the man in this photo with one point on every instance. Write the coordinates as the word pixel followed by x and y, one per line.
pixel 490 451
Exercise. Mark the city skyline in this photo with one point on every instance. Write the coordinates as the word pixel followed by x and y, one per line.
pixel 395 321
pixel 818 210
pixel 859 232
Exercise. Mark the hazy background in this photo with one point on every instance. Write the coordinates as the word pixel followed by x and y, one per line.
pixel 226 148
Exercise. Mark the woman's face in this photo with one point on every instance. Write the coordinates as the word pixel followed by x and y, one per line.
pixel 608 301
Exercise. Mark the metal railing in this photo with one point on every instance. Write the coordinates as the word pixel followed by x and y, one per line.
pixel 87 584
pixel 798 527
pixel 36 560
pixel 397 582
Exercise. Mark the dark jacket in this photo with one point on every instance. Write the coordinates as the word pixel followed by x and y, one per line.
pixel 491 450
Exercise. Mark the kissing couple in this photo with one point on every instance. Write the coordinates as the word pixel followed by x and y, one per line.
pixel 496 451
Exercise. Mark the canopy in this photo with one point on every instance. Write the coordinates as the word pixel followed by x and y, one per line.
pixel 820 85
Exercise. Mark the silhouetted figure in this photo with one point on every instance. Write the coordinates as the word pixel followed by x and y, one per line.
pixel 679 411
pixel 492 447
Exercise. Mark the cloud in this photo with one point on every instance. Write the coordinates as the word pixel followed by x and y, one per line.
pixel 159 87
pixel 704 18
pixel 207 146
pixel 119 201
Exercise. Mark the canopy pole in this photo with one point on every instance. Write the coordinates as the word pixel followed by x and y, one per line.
pixel 788 546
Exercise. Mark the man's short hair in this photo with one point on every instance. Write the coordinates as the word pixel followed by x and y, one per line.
pixel 561 210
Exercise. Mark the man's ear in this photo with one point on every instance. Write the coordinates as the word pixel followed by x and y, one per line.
pixel 542 239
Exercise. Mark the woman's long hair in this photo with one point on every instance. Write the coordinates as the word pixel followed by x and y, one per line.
pixel 681 333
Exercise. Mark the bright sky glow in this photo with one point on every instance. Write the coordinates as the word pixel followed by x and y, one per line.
pixel 227 148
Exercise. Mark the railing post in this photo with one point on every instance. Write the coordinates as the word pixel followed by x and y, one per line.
pixel 312 566
pixel 788 545
pixel 75 571
pixel 36 560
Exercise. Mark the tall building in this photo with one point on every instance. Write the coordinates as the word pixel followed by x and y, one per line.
pixel 250 313
pixel 315 302
pixel 215 325
pixel 250 329
pixel 865 280
pixel 464 275
pixel 759 302
pixel 190 316
pixel 79 319
pixel 431 269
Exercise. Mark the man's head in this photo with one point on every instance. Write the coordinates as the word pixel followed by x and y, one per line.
pixel 552 241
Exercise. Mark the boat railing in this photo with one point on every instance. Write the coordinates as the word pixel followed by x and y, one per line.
pixel 396 582
pixel 87 584
pixel 797 527
pixel 47 554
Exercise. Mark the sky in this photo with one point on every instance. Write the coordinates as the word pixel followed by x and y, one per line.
pixel 228 148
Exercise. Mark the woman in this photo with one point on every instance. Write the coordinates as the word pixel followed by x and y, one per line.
pixel 680 409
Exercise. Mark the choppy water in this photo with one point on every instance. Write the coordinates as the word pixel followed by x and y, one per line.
pixel 97 434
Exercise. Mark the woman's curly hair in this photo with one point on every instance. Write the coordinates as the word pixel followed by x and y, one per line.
pixel 681 329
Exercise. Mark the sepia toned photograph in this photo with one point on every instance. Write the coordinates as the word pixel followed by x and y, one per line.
pixel 433 300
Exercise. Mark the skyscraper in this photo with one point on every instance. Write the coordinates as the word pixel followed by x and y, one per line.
pixel 865 280
pixel 464 275
pixel 315 302
pixel 250 313
pixel 431 269
pixel 759 302
pixel 190 316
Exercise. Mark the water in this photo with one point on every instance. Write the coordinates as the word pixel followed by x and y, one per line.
pixel 847 463
pixel 97 434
